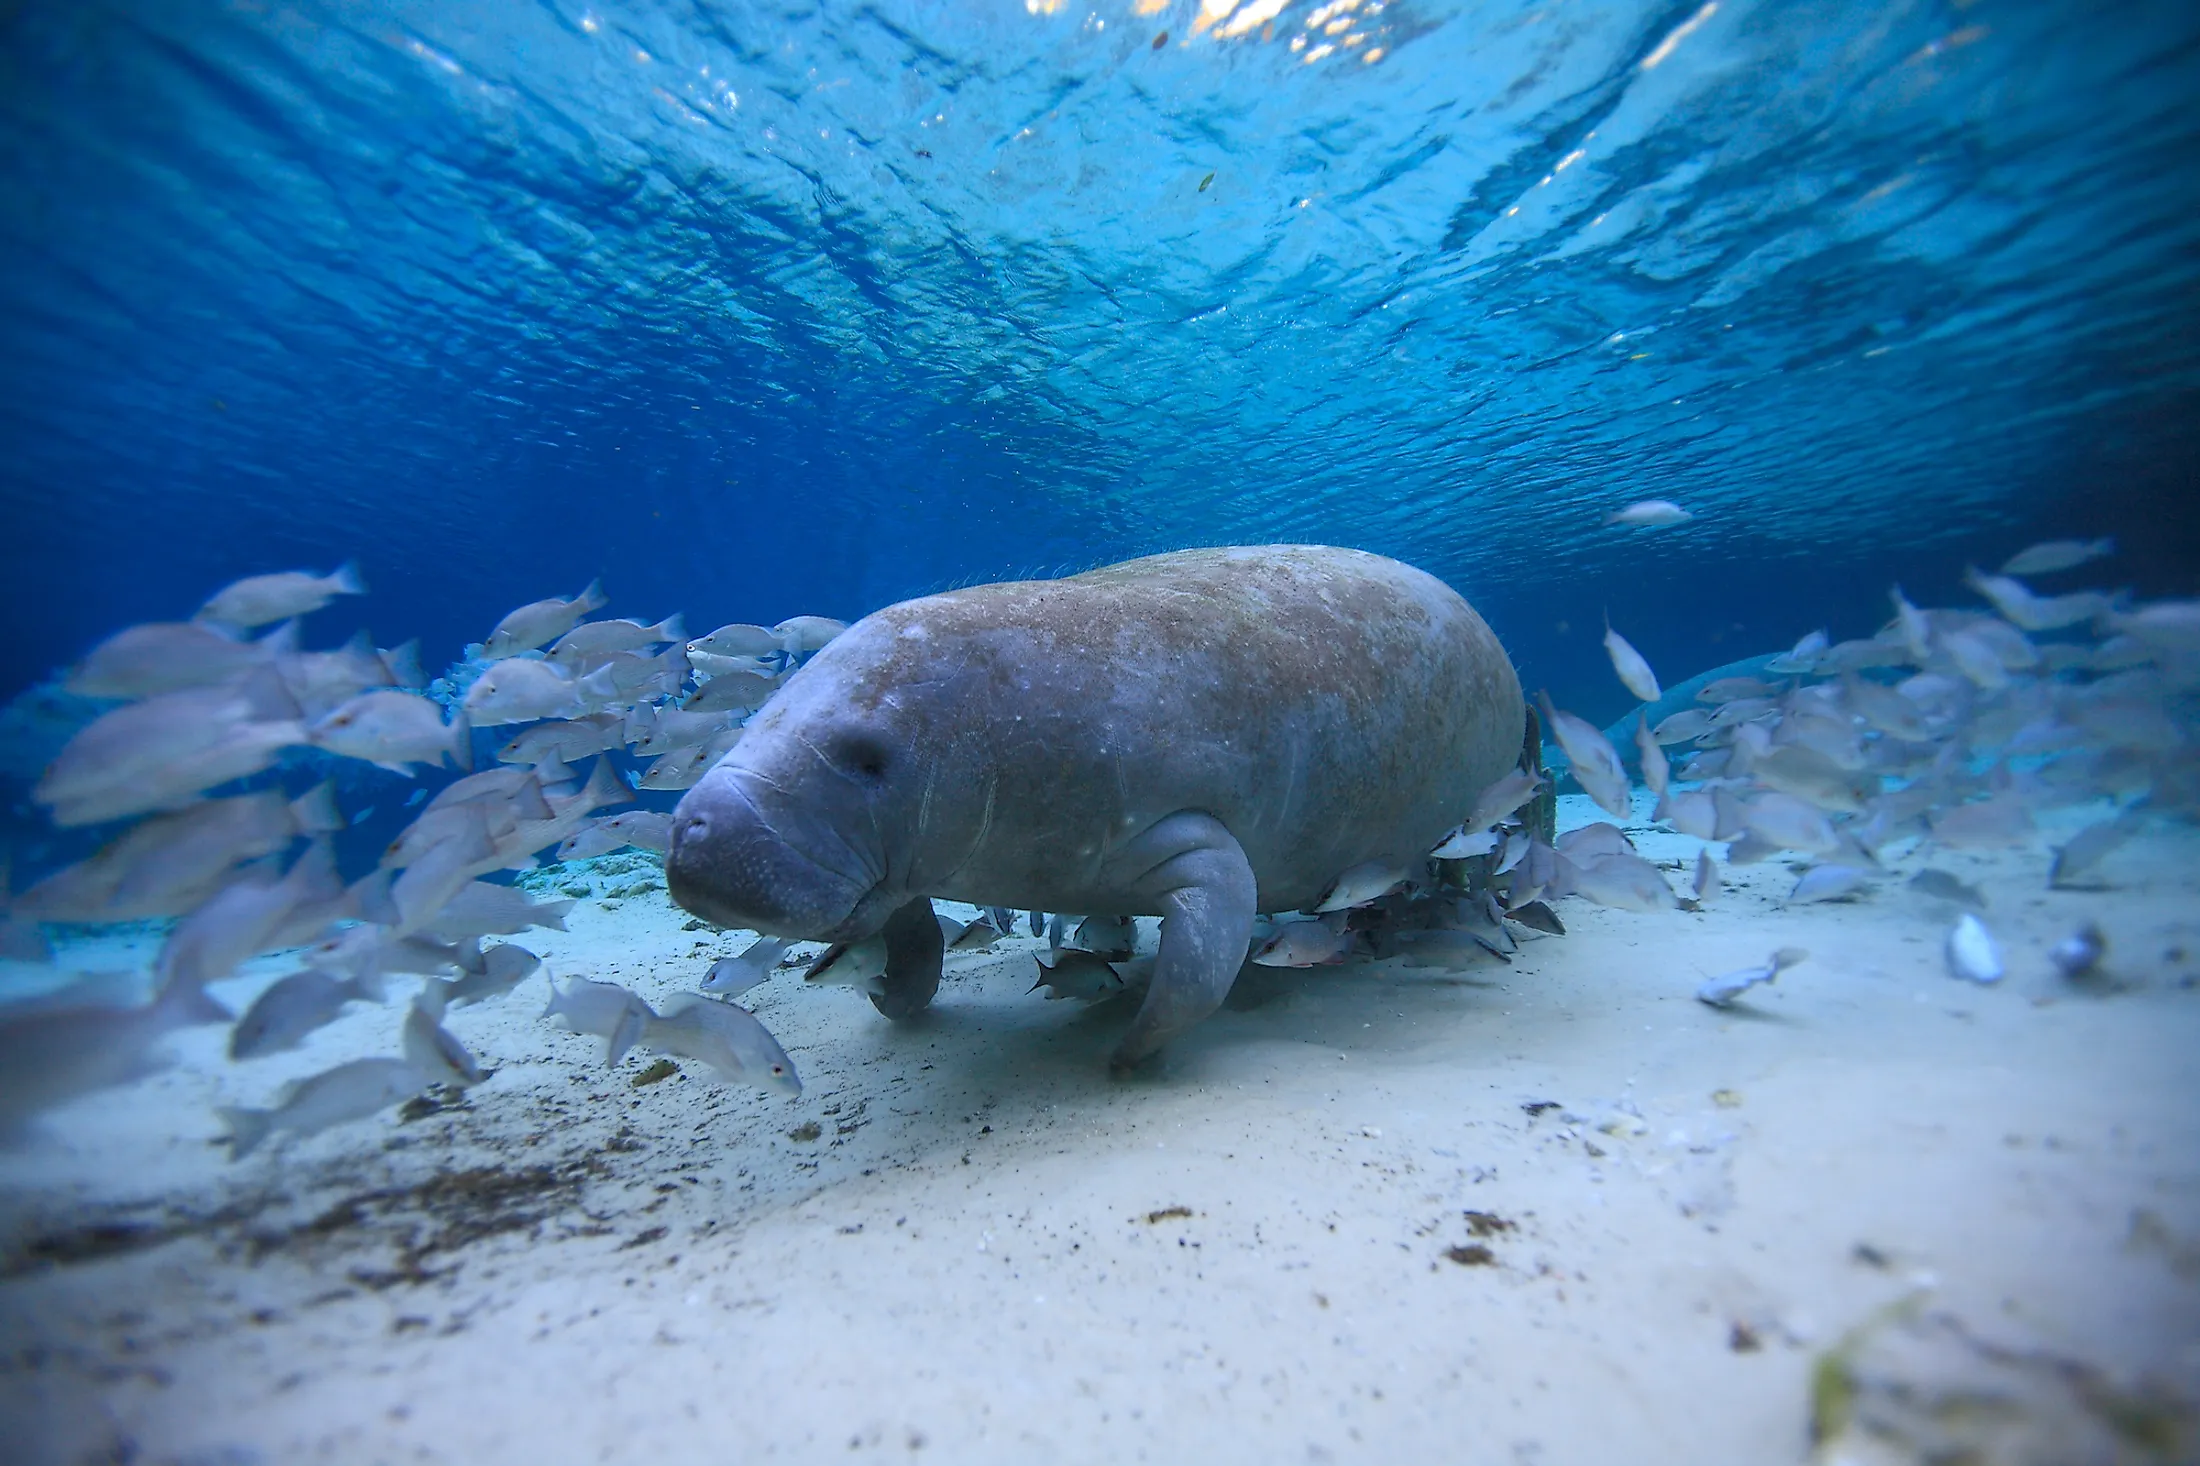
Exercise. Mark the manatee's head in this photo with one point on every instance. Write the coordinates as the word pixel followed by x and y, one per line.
pixel 805 829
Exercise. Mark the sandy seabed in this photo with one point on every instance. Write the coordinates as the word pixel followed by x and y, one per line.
pixel 1549 1212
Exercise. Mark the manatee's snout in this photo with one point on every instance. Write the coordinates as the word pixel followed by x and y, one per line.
pixel 731 865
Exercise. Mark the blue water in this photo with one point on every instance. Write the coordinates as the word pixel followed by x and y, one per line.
pixel 755 310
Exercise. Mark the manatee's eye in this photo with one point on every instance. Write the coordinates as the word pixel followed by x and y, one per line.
pixel 863 756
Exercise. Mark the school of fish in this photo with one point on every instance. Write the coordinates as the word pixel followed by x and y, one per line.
pixel 1947 727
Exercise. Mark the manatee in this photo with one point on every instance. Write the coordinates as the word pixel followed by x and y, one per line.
pixel 1198 736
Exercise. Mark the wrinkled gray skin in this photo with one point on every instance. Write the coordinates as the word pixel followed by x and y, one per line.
pixel 1196 736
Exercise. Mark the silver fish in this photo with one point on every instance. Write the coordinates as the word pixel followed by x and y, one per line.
pixel 603 1009
pixel 568 813
pixel 243 920
pixel 53 1054
pixel 731 692
pixel 1720 991
pixel 683 768
pixel 146 736
pixel 1365 882
pixel 292 1007
pixel 1999 820
pixel 725 1037
pixel 503 968
pixel 1650 514
pixel 1536 916
pixel 1305 944
pixel 730 976
pixel 1971 951
pixel 1623 880
pixel 740 639
pixel 395 730
pixel 801 635
pixel 1657 770
pixel 432 1049
pixel 1788 823
pixel 434 877
pixel 851 964
pixel 492 815
pixel 171 863
pixel 1634 671
pixel 1505 794
pixel 168 656
pixel 1114 937
pixel 1802 658
pixel 1083 975
pixel 1947 887
pixel 1812 777
pixel 2053 555
pixel 1830 881
pixel 1596 766
pixel 350 1091
pixel 651 731
pixel 976 937
pixel 715 664
pixel 539 623
pixel 241 752
pixel 1917 631
pixel 520 690
pixel 566 740
pixel 480 909
pixel 1685 726
pixel 320 682
pixel 259 599
pixel 1723 690
pixel 599 638
pixel 626 676
pixel 643 829
pixel 1592 841
pixel 2091 845
pixel 1706 882
pixel 1459 845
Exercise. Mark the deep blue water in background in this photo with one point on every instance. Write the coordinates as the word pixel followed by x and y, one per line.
pixel 756 310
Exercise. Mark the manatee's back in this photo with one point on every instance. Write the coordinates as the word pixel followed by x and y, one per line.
pixel 1328 706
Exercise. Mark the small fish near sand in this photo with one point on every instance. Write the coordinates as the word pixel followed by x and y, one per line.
pixel 851 964
pixel 726 1038
pixel 1086 976
pixel 350 1091
pixel 731 976
pixel 503 968
pixel 1718 992
pixel 1363 883
pixel 1972 953
pixel 979 936
pixel 1649 514
pixel 293 1007
pixel 1944 885
pixel 1830 881
pixel 602 1009
pixel 1306 944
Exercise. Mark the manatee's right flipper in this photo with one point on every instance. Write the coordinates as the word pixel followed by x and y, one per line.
pixel 1198 874
pixel 915 948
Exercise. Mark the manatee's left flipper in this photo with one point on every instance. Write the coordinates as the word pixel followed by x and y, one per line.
pixel 915 947
pixel 1200 877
